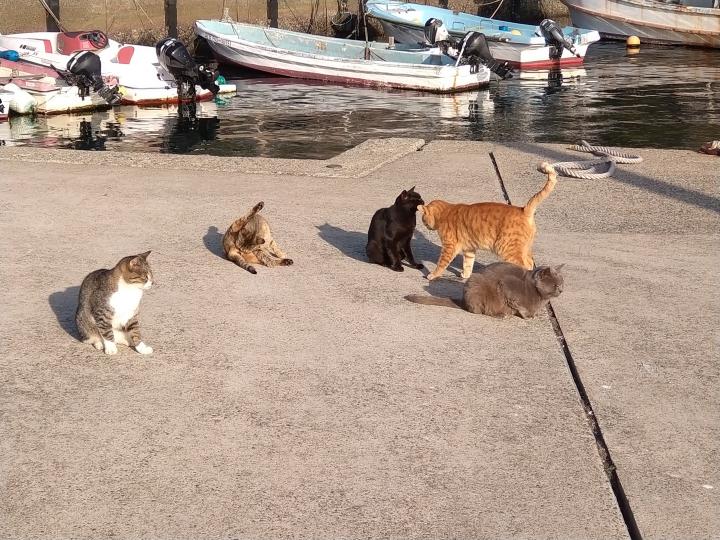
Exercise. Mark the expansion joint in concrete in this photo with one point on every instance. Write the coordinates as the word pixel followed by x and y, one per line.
pixel 603 450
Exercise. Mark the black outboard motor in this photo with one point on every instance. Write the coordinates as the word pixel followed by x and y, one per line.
pixel 554 37
pixel 475 50
pixel 175 57
pixel 85 71
pixel 435 32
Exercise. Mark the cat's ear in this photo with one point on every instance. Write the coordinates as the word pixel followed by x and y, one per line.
pixel 558 267
pixel 145 255
pixel 404 194
pixel 411 190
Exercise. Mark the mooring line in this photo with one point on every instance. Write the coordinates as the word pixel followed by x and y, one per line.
pixel 602 447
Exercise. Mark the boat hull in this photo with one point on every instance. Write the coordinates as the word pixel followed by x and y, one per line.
pixel 517 55
pixel 350 71
pixel 650 21
pixel 520 45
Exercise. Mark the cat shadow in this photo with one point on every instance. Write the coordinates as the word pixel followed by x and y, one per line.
pixel 64 304
pixel 352 244
pixel 213 241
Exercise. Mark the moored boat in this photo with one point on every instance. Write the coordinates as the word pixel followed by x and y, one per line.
pixel 681 22
pixel 304 56
pixel 138 73
pixel 523 46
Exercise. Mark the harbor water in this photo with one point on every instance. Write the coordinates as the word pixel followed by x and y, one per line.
pixel 661 97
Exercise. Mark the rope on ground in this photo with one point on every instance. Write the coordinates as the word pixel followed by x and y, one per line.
pixel 597 168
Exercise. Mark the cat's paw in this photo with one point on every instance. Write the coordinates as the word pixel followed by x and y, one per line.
pixel 98 345
pixel 419 266
pixel 110 347
pixel 286 262
pixel 397 268
pixel 143 349
pixel 431 276
pixel 466 275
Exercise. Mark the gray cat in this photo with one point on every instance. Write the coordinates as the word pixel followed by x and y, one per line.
pixel 107 311
pixel 502 289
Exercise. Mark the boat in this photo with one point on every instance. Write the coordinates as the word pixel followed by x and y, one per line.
pixel 141 75
pixel 678 22
pixel 359 63
pixel 42 90
pixel 524 46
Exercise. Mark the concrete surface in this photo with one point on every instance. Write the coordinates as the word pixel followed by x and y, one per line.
pixel 313 401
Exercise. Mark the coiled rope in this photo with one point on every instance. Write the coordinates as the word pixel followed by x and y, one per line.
pixel 597 168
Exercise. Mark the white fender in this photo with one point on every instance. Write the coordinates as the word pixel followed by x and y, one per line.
pixel 21 102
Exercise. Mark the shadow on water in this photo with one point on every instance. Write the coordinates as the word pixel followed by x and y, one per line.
pixel 625 176
pixel 213 241
pixel 352 244
pixel 64 304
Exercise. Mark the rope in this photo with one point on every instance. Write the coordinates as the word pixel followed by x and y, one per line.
pixel 597 168
pixel 50 11
pixel 619 157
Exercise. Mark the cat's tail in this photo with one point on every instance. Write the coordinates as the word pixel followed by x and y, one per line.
pixel 434 301
pixel 541 195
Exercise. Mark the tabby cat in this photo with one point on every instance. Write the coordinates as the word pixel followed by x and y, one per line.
pixel 502 289
pixel 249 240
pixel 391 230
pixel 507 230
pixel 107 311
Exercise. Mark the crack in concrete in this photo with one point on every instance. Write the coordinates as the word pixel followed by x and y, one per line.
pixel 602 447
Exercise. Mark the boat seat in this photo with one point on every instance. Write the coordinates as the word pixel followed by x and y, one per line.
pixel 70 42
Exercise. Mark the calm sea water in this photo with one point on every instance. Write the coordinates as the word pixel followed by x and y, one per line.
pixel 662 97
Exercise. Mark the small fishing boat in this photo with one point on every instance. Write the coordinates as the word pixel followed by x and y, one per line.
pixel 305 56
pixel 677 22
pixel 137 74
pixel 522 45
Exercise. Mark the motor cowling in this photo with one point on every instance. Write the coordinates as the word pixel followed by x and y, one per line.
pixel 86 74
pixel 175 58
pixel 554 37
pixel 435 32
pixel 474 49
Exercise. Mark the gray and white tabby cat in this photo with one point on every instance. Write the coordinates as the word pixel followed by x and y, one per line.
pixel 502 289
pixel 107 311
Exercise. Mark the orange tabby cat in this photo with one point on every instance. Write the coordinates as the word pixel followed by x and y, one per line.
pixel 507 230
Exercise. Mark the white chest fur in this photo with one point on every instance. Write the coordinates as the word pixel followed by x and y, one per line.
pixel 125 303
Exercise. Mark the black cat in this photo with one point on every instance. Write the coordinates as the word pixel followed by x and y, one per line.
pixel 391 230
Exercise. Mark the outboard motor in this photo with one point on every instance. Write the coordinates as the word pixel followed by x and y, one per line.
pixel 475 50
pixel 436 32
pixel 85 71
pixel 554 37
pixel 175 58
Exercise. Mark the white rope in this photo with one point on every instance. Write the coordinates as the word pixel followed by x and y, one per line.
pixel 594 169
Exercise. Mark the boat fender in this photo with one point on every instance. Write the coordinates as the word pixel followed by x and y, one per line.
pixel 85 70
pixel 554 37
pixel 20 102
pixel 10 54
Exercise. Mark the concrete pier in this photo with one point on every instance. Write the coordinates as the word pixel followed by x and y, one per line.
pixel 313 401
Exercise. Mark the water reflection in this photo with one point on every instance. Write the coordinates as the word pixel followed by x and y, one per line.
pixel 664 97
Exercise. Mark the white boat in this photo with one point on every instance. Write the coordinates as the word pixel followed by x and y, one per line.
pixel 304 56
pixel 524 46
pixel 140 76
pixel 680 22
pixel 42 90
